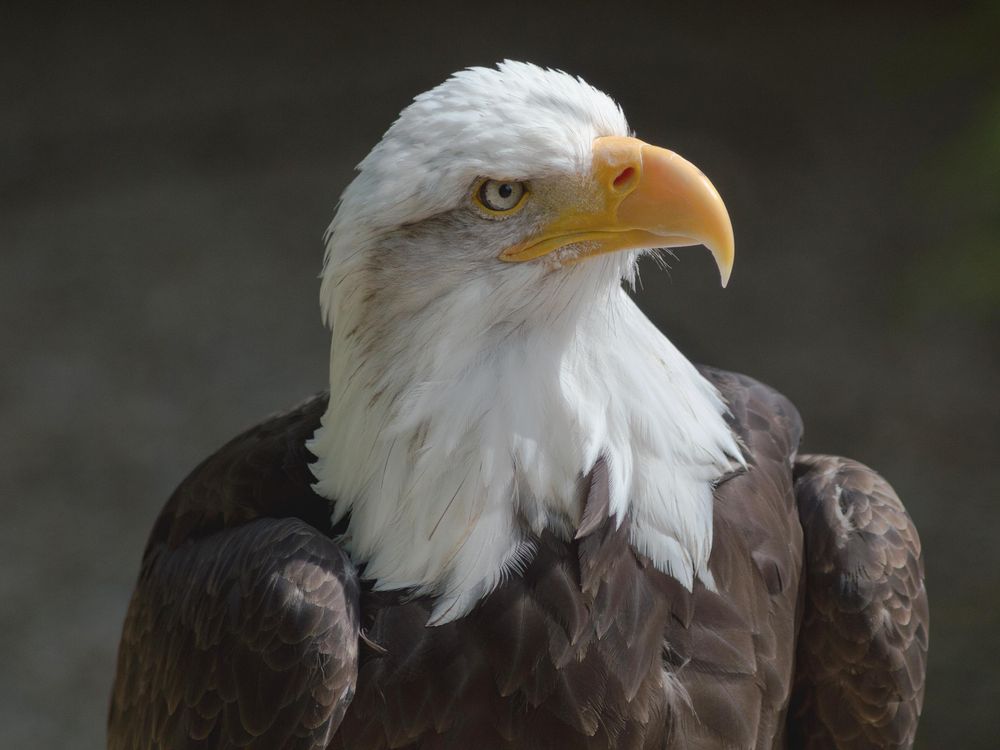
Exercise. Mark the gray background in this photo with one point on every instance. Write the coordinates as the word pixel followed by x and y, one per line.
pixel 166 175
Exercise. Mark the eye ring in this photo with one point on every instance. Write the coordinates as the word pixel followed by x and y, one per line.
pixel 500 197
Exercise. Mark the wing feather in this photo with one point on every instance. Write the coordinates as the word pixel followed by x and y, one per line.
pixel 245 638
pixel 862 653
pixel 243 627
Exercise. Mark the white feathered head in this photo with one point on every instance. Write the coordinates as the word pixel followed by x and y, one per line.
pixel 505 179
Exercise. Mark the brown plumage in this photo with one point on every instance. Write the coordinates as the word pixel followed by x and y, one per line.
pixel 863 642
pixel 248 627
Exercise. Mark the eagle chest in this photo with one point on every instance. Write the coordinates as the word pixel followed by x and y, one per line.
pixel 567 655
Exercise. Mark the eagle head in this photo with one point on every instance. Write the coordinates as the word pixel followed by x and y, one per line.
pixel 500 182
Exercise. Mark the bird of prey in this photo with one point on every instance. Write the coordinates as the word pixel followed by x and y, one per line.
pixel 520 517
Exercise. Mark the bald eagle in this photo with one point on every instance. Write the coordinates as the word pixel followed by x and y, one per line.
pixel 520 517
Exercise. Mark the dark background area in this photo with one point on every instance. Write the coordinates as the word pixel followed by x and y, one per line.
pixel 166 174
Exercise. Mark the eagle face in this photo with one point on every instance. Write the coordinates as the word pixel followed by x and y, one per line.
pixel 501 181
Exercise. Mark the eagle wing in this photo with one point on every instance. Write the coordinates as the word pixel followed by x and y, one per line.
pixel 243 628
pixel 815 546
pixel 862 651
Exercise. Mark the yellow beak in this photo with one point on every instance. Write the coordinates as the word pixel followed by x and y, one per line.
pixel 642 196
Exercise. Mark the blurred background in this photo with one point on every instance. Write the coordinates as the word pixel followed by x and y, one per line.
pixel 166 174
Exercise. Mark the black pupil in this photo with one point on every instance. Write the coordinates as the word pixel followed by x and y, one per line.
pixel 505 190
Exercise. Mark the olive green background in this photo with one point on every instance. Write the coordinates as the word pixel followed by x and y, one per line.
pixel 166 174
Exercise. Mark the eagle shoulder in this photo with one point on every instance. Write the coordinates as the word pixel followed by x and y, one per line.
pixel 243 627
pixel 764 419
pixel 262 473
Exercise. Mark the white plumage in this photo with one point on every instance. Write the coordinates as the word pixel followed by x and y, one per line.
pixel 470 397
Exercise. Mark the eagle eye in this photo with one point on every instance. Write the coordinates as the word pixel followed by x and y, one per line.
pixel 500 196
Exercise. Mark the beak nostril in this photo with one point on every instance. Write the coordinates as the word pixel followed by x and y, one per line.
pixel 624 178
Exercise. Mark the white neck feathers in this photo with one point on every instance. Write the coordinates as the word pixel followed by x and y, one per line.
pixel 453 444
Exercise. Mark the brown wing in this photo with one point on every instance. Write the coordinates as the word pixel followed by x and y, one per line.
pixel 862 652
pixel 731 652
pixel 246 638
pixel 243 628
